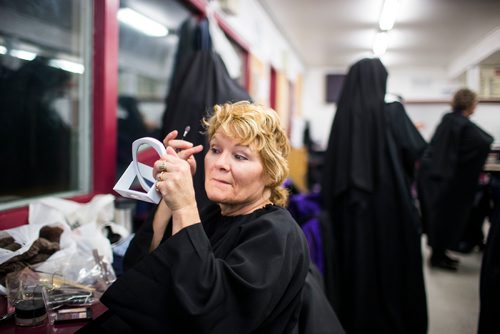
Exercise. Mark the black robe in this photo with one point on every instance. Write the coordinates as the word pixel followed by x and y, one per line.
pixel 241 274
pixel 489 286
pixel 449 176
pixel 199 82
pixel 317 315
pixel 378 284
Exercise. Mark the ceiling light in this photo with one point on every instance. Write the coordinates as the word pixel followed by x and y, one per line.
pixel 142 23
pixel 388 14
pixel 3 50
pixel 67 65
pixel 22 54
pixel 380 43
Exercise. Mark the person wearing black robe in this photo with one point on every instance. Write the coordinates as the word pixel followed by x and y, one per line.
pixel 243 268
pixel 377 275
pixel 449 177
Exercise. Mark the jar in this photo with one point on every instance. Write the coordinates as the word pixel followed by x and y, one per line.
pixel 30 312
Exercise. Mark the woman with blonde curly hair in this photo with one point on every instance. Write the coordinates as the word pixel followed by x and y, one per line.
pixel 237 267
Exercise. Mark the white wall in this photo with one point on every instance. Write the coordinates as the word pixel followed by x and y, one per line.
pixel 422 83
pixel 433 84
pixel 414 84
pixel 487 116
pixel 316 111
pixel 266 42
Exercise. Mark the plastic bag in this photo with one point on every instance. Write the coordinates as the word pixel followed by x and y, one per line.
pixel 82 226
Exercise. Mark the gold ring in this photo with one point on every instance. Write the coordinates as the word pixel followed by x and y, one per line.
pixel 156 187
pixel 162 166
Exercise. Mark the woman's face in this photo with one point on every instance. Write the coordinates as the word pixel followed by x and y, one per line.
pixel 234 175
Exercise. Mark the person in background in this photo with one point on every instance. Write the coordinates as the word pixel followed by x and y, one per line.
pixel 378 282
pixel 449 176
pixel 237 267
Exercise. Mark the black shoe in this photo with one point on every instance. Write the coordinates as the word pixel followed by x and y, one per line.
pixel 443 263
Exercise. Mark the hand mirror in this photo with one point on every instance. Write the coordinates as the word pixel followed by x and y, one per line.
pixel 141 171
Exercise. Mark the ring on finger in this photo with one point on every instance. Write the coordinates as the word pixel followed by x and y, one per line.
pixel 162 166
pixel 160 176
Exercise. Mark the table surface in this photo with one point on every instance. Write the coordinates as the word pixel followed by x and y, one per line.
pixel 492 167
pixel 9 326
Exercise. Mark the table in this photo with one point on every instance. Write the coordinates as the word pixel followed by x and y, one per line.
pixel 9 326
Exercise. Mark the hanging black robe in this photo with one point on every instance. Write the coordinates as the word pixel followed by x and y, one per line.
pixel 489 283
pixel 449 176
pixel 241 274
pixel 200 81
pixel 378 284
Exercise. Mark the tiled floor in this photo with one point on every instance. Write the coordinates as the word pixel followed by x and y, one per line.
pixel 453 297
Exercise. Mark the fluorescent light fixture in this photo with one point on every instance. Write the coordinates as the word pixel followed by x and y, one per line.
pixel 67 65
pixel 142 23
pixel 380 43
pixel 3 50
pixel 388 14
pixel 22 54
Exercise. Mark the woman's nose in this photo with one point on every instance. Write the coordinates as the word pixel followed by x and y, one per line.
pixel 222 161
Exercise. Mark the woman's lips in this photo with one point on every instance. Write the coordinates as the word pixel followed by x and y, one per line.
pixel 221 181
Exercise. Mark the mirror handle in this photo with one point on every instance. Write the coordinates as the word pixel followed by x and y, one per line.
pixel 154 143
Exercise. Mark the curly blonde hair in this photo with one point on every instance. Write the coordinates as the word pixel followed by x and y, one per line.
pixel 258 127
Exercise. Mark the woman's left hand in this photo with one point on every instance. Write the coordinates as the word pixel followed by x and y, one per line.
pixel 174 180
pixel 175 183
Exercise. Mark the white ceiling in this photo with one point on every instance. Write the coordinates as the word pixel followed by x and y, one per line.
pixel 336 33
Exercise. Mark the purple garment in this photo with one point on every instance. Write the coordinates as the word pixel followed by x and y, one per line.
pixel 312 232
pixel 306 208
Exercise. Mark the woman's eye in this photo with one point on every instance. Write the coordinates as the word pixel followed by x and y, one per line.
pixel 214 150
pixel 240 157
